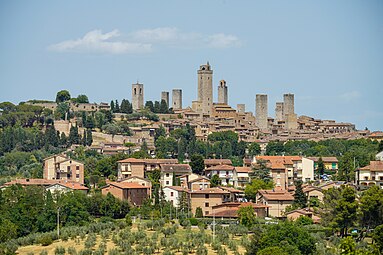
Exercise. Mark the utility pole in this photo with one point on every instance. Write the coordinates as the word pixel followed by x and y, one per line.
pixel 58 222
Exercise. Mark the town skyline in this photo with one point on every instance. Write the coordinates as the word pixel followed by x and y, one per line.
pixel 328 54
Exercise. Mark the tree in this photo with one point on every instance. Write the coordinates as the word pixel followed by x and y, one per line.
pixel 62 96
pixel 300 198
pixel 150 106
pixel 62 110
pixel 117 107
pixel 112 106
pixel 215 181
pixel 252 188
pixel 254 149
pixel 377 236
pixel 347 246
pixel 82 99
pixel 275 148
pixel 371 207
pixel 380 148
pixel 74 137
pixel 159 132
pixel 89 137
pixel 89 122
pixel 111 129
pixel 7 107
pixel 262 172
pixel 246 216
pixel 197 163
pixel 164 108
pixel 198 212
pixel 320 167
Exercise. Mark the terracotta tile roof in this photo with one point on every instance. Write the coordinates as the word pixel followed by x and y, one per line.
pixel 210 191
pixel 276 195
pixel 200 179
pixel 374 166
pixel 127 185
pixel 231 190
pixel 177 188
pixel 220 167
pixel 217 162
pixel 243 169
pixel 131 160
pixel 230 210
pixel 325 159
pixel 72 185
pixel 286 158
pixel 177 168
pixel 160 161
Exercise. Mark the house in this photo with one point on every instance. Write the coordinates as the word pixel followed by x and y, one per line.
pixel 199 184
pixel 170 173
pixel 206 199
pixel 236 195
pixel 51 185
pixel 313 192
pixel 173 194
pixel 230 210
pixel 308 212
pixel 214 162
pixel 132 192
pixel 141 181
pixel 370 175
pixel 64 187
pixel 224 172
pixel 138 167
pixel 277 200
pixel 287 169
pixel 184 179
pixel 330 163
pixel 241 176
pixel 61 167
pixel 131 167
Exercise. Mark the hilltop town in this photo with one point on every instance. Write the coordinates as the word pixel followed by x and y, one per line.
pixel 156 161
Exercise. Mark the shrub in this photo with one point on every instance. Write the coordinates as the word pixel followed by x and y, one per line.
pixel 60 250
pixel 193 221
pixel 45 240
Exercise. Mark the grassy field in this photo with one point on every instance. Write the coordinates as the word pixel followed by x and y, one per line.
pixel 79 244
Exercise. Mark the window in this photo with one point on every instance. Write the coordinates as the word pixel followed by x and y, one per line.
pixel 68 175
pixel 381 178
pixel 68 168
pixel 77 176
pixel 206 195
pixel 167 182
pixel 167 175
pixel 206 212
pixel 77 167
pixel 206 204
pixel 171 194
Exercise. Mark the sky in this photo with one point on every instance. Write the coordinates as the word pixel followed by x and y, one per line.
pixel 328 53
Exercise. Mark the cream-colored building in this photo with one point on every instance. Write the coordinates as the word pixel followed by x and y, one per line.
pixel 170 173
pixel 370 175
pixel 277 200
pixel 173 194
pixel 61 167
pixel 207 198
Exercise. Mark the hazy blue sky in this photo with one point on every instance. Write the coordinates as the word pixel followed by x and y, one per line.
pixel 328 53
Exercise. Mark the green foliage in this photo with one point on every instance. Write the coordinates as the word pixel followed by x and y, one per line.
pixel 378 237
pixel 197 163
pixel 252 188
pixel 371 207
pixel 275 250
pixel 321 166
pixel 294 239
pixel 300 198
pixel 304 220
pixel 81 99
pixel 198 212
pixel 254 149
pixel 215 181
pixel 62 96
pixel 347 246
pixel 246 216
pixel 275 148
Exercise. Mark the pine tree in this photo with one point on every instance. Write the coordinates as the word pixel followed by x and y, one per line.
pixel 83 141
pixel 83 118
pixel 112 106
pixel 74 137
pixel 164 108
pixel 89 137
pixel 320 167
pixel 63 140
pixel 117 107
pixel 300 199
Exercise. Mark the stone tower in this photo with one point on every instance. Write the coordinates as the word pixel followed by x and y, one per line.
pixel 241 108
pixel 137 96
pixel 288 112
pixel 278 112
pixel 205 88
pixel 165 97
pixel 222 92
pixel 177 99
pixel 288 104
pixel 261 110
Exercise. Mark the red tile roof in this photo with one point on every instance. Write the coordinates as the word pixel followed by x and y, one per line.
pixel 217 162
pixel 177 168
pixel 131 160
pixel 243 169
pixel 210 191
pixel 275 195
pixel 374 166
pixel 127 185
pixel 220 167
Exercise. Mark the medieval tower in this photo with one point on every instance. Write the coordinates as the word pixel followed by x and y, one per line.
pixel 288 104
pixel 241 108
pixel 165 97
pixel 278 112
pixel 261 110
pixel 137 96
pixel 222 92
pixel 177 99
pixel 205 88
